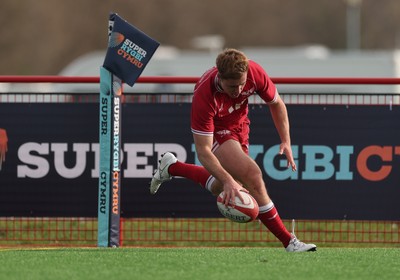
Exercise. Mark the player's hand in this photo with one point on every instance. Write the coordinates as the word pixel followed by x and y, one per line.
pixel 231 190
pixel 286 149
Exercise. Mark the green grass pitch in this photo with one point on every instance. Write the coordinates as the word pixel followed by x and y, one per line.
pixel 198 263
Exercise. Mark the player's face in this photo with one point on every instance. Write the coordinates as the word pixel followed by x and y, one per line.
pixel 233 87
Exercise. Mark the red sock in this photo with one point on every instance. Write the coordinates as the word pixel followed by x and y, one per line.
pixel 270 218
pixel 193 172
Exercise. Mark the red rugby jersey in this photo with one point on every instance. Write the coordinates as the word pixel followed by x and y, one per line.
pixel 213 110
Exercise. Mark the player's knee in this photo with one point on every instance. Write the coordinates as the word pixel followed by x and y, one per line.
pixel 254 175
pixel 259 189
pixel 255 183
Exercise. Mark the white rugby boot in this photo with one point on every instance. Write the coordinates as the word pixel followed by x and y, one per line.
pixel 296 245
pixel 161 174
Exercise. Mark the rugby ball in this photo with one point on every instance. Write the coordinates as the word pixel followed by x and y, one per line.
pixel 238 211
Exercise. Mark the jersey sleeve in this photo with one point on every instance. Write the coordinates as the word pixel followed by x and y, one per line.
pixel 203 111
pixel 266 89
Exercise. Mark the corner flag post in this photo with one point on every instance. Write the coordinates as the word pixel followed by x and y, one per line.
pixel 129 51
pixel 109 199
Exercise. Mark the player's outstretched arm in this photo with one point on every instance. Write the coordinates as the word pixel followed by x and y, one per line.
pixel 281 121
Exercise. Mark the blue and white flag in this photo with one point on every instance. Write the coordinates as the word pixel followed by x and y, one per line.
pixel 129 50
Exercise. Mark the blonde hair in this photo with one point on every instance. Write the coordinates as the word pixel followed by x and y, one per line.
pixel 231 64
